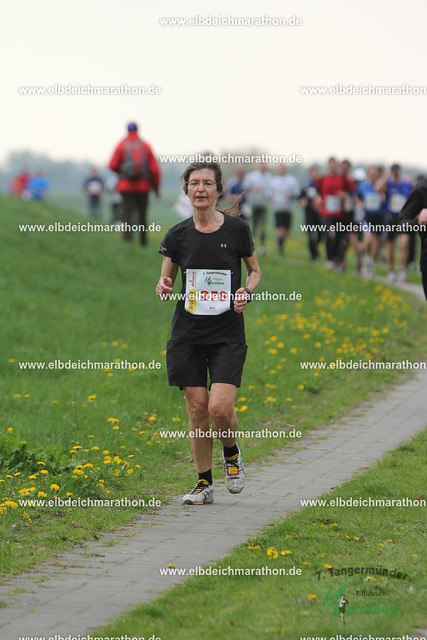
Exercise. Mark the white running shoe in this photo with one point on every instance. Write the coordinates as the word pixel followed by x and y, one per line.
pixel 235 475
pixel 391 277
pixel 201 494
pixel 402 277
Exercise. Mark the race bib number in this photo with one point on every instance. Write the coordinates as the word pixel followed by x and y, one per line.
pixel 373 201
pixel 311 193
pixel 333 204
pixel 94 188
pixel 348 203
pixel 207 292
pixel 281 200
pixel 397 201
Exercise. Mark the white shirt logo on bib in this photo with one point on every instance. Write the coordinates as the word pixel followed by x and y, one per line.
pixel 397 201
pixel 207 291
pixel 333 204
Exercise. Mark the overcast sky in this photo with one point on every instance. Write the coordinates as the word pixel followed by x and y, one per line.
pixel 222 88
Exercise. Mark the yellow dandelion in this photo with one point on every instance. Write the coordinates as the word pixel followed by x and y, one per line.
pixel 54 487
pixel 270 399
pixel 312 596
pixel 41 494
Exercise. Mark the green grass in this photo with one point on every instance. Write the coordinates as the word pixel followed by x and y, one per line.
pixel 90 296
pixel 293 606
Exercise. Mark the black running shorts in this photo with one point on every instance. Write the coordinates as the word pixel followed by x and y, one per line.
pixel 283 219
pixel 188 364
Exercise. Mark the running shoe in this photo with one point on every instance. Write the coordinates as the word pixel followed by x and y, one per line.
pixel 201 494
pixel 402 277
pixel 391 277
pixel 235 475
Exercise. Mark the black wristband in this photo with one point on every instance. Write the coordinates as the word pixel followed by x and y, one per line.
pixel 251 295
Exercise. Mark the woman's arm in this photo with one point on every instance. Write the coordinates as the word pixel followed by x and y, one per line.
pixel 253 278
pixel 167 278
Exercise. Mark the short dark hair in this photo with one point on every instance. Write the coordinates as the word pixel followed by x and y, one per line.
pixel 197 166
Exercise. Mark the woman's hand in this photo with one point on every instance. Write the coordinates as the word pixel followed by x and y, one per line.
pixel 240 300
pixel 164 287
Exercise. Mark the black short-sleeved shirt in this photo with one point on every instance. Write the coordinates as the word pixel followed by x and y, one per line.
pixel 412 207
pixel 196 253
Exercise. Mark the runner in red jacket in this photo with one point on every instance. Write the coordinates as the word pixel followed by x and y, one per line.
pixel 333 188
pixel 139 172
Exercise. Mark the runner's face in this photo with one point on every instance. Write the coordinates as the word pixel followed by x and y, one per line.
pixel 204 192
pixel 372 174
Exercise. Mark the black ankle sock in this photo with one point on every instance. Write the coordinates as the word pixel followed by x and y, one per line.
pixel 230 452
pixel 206 475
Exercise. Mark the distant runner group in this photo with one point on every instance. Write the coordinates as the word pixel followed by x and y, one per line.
pixel 345 207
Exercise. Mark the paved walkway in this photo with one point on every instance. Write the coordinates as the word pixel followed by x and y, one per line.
pixel 96 583
pixel 91 585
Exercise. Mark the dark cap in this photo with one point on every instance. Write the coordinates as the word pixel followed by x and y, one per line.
pixel 132 126
pixel 395 166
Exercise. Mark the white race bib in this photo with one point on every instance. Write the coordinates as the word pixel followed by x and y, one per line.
pixel 281 200
pixel 333 204
pixel 207 291
pixel 94 188
pixel 373 201
pixel 348 203
pixel 397 201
